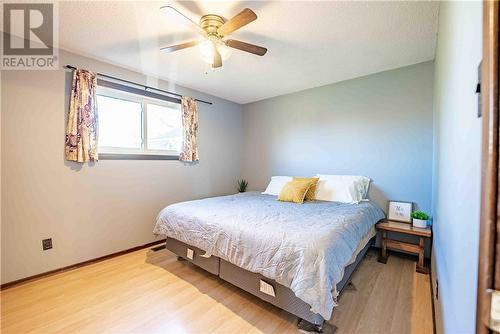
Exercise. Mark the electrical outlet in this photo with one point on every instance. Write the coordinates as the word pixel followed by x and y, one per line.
pixel 46 244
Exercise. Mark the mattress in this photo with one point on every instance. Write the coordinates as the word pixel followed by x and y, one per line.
pixel 303 247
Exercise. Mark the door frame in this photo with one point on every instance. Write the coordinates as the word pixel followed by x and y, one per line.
pixel 489 242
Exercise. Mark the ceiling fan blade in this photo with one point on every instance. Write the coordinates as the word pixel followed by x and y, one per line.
pixel 217 58
pixel 191 7
pixel 256 50
pixel 172 13
pixel 241 19
pixel 176 47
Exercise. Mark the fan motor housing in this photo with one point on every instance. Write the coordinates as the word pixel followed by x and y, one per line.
pixel 210 23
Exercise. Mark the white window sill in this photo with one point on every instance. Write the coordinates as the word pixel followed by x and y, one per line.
pixel 137 156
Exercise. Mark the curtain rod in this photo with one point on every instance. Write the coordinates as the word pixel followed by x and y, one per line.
pixel 138 84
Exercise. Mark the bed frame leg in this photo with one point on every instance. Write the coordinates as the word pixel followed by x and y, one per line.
pixel 309 327
pixel 350 287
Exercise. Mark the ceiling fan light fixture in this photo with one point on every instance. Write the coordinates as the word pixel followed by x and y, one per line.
pixel 215 48
pixel 207 50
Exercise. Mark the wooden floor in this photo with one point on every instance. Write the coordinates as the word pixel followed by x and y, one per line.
pixel 151 292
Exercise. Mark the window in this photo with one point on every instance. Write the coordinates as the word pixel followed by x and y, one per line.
pixel 131 125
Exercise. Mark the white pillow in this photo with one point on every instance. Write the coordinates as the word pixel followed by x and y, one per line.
pixel 277 182
pixel 342 188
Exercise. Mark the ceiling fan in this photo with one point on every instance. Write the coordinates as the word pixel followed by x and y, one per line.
pixel 214 48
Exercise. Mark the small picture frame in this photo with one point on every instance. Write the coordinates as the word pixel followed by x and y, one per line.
pixel 400 211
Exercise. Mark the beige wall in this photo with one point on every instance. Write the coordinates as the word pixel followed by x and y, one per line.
pixel 92 210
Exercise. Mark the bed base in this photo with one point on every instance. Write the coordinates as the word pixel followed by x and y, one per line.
pixel 284 297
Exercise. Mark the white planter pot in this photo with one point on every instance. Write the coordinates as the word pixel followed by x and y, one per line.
pixel 420 223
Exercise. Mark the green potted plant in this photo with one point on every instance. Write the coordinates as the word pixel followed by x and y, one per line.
pixel 242 185
pixel 420 219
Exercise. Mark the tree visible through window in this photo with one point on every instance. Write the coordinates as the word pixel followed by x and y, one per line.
pixel 164 128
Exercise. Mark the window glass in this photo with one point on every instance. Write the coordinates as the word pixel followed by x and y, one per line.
pixel 135 124
pixel 120 123
pixel 164 126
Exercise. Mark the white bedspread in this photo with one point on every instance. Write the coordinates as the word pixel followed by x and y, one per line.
pixel 302 246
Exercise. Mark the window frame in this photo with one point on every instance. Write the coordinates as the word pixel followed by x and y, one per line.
pixel 120 153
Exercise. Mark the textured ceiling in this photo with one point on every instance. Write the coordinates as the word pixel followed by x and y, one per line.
pixel 309 43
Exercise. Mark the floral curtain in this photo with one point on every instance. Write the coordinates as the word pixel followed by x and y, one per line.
pixel 189 110
pixel 81 129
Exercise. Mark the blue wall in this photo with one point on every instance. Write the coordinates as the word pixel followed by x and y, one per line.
pixel 378 125
pixel 457 167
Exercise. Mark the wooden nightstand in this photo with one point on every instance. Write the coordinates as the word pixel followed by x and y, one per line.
pixel 405 228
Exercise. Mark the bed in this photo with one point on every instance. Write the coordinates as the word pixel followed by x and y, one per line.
pixel 295 256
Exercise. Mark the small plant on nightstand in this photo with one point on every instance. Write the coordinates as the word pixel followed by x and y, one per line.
pixel 420 219
pixel 242 185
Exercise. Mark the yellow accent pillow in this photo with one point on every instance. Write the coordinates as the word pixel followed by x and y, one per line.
pixel 311 193
pixel 294 191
